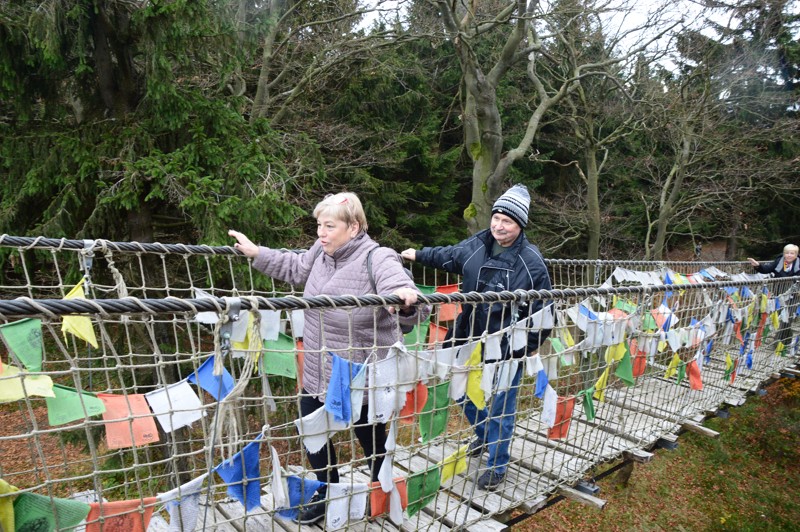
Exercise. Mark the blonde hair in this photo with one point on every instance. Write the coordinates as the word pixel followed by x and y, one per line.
pixel 344 206
pixel 791 247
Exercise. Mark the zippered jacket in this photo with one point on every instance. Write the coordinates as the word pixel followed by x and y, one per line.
pixel 776 267
pixel 519 267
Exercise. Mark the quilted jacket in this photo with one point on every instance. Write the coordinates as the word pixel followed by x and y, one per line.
pixel 352 333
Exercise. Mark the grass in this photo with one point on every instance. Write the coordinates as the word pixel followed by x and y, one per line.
pixel 744 480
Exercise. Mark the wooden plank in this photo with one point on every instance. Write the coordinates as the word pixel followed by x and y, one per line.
pixel 699 429
pixel 581 497
pixel 639 456
pixel 259 519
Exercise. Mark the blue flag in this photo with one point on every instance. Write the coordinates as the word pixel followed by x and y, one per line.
pixel 241 473
pixel 749 359
pixel 541 384
pixel 337 397
pixel 300 492
pixel 217 385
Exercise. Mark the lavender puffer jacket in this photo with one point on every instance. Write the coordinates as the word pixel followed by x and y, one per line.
pixel 350 333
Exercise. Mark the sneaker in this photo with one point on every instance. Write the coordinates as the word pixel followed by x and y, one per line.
pixel 313 511
pixel 490 480
pixel 476 448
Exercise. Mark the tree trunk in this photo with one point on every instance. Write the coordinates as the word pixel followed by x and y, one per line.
pixel 592 202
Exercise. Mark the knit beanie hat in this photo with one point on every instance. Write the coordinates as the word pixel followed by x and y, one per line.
pixel 514 204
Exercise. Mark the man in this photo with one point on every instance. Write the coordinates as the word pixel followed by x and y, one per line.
pixel 496 259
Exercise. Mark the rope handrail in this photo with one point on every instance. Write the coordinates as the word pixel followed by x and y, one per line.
pixel 41 242
pixel 25 306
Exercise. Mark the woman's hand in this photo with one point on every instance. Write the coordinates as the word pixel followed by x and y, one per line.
pixel 409 297
pixel 243 244
pixel 409 254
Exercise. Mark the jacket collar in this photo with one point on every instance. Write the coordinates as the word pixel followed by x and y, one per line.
pixel 351 248
pixel 509 255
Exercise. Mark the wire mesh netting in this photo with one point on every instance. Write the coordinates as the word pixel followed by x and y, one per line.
pixel 153 387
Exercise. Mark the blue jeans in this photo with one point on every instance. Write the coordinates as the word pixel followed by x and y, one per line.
pixel 494 425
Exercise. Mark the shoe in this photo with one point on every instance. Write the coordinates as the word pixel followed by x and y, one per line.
pixel 476 448
pixel 490 480
pixel 313 511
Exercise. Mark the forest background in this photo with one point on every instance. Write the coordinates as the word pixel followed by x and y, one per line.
pixel 638 130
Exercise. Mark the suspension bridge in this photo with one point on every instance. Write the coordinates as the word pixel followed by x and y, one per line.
pixel 155 387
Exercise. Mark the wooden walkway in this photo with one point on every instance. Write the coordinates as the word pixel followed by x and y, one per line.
pixel 630 423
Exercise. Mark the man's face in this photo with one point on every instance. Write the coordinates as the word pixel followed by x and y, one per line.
pixel 790 255
pixel 504 229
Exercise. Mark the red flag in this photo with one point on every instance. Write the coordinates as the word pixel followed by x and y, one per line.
pixel 735 367
pixel 379 499
pixel 299 346
pixel 760 331
pixel 436 333
pixel 738 328
pixel 695 379
pixel 639 358
pixel 415 402
pixel 130 516
pixel 564 408
pixel 448 311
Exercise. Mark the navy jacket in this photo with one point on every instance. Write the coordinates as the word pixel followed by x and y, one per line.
pixel 519 267
pixel 776 268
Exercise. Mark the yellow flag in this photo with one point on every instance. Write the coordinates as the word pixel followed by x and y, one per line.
pixel 672 369
pixel 600 385
pixel 11 385
pixel 474 392
pixel 616 351
pixel 779 349
pixel 79 326
pixel 763 302
pixel 751 311
pixel 662 344
pixel 252 339
pixel 728 362
pixel 454 464
pixel 776 324
pixel 7 506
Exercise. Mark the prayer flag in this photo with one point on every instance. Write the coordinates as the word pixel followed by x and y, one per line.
pixel 337 396
pixel 433 418
pixel 422 488
pixel 728 366
pixel 672 368
pixel 564 409
pixel 379 500
pixel 16 385
pixel 175 406
pixel 7 505
pixel 68 405
pixel 183 504
pixel 624 305
pixel 780 349
pixel 417 336
pixel 130 516
pixel 695 379
pixel 36 512
pixel 241 473
pixel 416 400
pixel 24 339
pixel 346 502
pixel 542 381
pixel 616 351
pixel 426 289
pixel 317 427
pixel 436 333
pixel 301 490
pixel 625 369
pixel 128 420
pixel 549 407
pixel 588 402
pixel 681 373
pixel 474 391
pixel 79 326
pixel 600 385
pixel 280 357
pixel 217 385
pixel 448 311
pixel 454 464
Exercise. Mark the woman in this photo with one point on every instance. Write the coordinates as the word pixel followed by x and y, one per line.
pixel 787 265
pixel 336 265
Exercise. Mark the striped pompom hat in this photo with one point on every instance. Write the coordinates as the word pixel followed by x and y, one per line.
pixel 514 204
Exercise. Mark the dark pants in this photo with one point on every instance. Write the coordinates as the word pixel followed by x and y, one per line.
pixel 371 437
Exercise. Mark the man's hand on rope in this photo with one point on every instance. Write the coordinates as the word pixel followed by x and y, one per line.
pixel 409 254
pixel 243 244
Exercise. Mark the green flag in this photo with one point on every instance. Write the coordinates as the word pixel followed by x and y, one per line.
pixel 37 512
pixel 433 418
pixel 625 306
pixel 68 405
pixel 418 336
pixel 625 368
pixel 681 373
pixel 556 344
pixel 426 290
pixel 588 402
pixel 279 357
pixel 24 339
pixel 422 488
pixel 648 322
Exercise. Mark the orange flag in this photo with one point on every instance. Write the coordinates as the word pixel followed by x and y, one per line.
pixel 564 408
pixel 738 328
pixel 760 331
pixel 130 516
pixel 300 355
pixel 122 432
pixel 448 311
pixel 695 380
pixel 415 402
pixel 379 499
pixel 436 333
pixel 639 358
